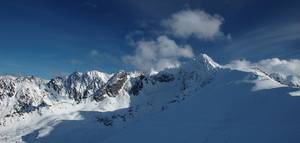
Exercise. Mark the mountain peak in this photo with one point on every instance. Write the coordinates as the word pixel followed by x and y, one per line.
pixel 204 58
pixel 201 63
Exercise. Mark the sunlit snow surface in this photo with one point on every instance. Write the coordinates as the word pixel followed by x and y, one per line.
pixel 231 107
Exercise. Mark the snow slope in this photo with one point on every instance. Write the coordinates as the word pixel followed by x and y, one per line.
pixel 225 111
pixel 200 101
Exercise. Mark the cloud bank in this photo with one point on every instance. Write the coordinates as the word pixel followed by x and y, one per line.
pixel 287 67
pixel 285 70
pixel 200 24
pixel 158 54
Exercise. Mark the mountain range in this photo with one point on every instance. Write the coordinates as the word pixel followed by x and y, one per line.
pixel 199 101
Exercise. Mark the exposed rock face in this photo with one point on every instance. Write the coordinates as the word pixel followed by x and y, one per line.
pixel 79 86
pixel 7 88
pixel 164 77
pixel 137 84
pixel 115 84
pixel 57 84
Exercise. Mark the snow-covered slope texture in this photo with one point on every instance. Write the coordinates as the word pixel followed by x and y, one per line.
pixel 200 101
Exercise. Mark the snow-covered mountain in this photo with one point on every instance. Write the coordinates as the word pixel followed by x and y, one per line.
pixel 200 101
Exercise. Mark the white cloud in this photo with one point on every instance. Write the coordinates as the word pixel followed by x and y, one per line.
pixel 158 54
pixel 274 65
pixel 286 67
pixel 200 24
pixel 286 70
pixel 166 53
pixel 242 65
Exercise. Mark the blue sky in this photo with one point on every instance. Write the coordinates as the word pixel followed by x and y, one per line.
pixel 56 37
